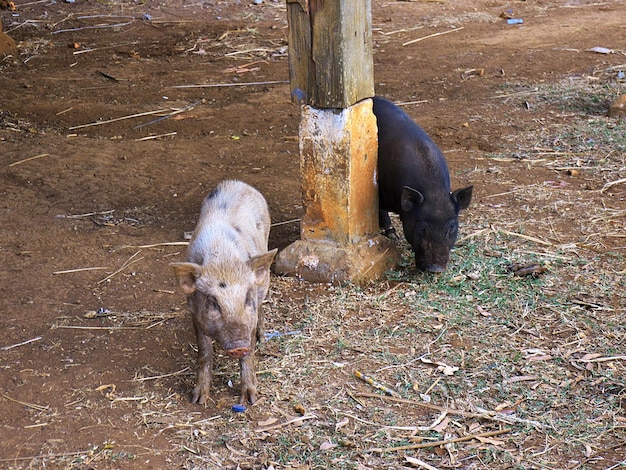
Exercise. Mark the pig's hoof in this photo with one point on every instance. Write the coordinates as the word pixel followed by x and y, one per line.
pixel 248 394
pixel 391 234
pixel 200 395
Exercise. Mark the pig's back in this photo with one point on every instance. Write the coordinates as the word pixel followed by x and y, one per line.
pixel 234 220
pixel 407 156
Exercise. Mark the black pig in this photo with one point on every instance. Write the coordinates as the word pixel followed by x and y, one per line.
pixel 413 181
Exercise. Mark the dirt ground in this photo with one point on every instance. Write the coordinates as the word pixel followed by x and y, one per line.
pixel 92 198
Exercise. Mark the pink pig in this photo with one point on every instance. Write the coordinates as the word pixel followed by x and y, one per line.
pixel 226 280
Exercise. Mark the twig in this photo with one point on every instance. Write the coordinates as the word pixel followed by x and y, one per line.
pixel 87 214
pixel 130 116
pixel 29 405
pixel 502 194
pixel 230 54
pixel 618 464
pixel 395 428
pixel 403 30
pixel 76 327
pixel 98 26
pixel 139 398
pixel 586 5
pixel 407 103
pixel 173 374
pixel 152 137
pixel 519 93
pixel 6 348
pixel 472 235
pixel 33 3
pixel 29 159
pixel 549 255
pixel 157 244
pixel 608 185
pixel 375 384
pixel 167 116
pixel 364 273
pixel 90 17
pixel 413 41
pixel 217 85
pixel 441 443
pixel 290 421
pixel 526 237
pixel 48 456
pixel 276 224
pixel 419 463
pixel 124 266
pixel 389 291
pixel 603 359
pixel 83 51
pixel 351 395
pixel 77 270
pixel 393 366
pixel 157 323
pixel 482 414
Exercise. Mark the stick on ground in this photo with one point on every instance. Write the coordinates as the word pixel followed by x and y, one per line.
pixel 29 159
pixel 425 445
pixel 413 41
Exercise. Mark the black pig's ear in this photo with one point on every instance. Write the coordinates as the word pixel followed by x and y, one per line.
pixel 410 199
pixel 187 273
pixel 260 265
pixel 462 197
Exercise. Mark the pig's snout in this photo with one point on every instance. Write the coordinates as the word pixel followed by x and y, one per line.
pixel 436 268
pixel 238 353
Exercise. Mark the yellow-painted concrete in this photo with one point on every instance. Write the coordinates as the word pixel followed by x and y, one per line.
pixel 339 230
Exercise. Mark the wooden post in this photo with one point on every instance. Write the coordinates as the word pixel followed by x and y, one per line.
pixel 331 70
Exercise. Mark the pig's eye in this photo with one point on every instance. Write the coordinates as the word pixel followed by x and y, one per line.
pixel 452 230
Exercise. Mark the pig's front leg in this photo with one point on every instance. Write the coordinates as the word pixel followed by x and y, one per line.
pixel 248 376
pixel 385 224
pixel 248 379
pixel 200 394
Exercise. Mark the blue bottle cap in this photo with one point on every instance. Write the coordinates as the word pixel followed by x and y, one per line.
pixel 239 408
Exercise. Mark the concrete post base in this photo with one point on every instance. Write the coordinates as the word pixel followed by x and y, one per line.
pixel 7 44
pixel 339 230
pixel 327 262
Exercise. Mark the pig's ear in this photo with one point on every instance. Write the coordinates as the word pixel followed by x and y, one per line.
pixel 462 197
pixel 187 273
pixel 260 264
pixel 410 198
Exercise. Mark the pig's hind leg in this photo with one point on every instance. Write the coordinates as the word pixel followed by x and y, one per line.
pixel 200 394
pixel 260 325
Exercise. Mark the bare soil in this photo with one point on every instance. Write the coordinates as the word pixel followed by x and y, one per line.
pixel 95 197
